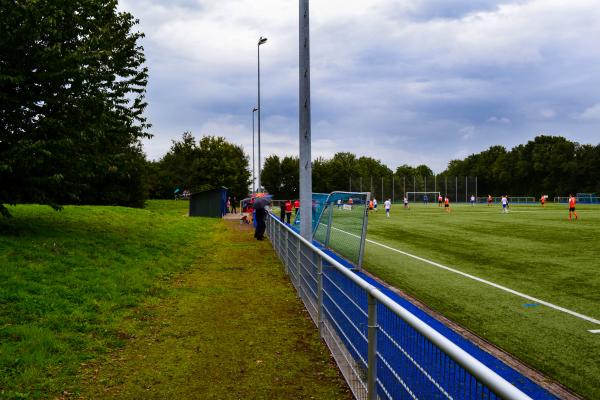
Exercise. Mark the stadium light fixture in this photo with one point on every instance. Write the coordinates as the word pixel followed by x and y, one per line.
pixel 261 40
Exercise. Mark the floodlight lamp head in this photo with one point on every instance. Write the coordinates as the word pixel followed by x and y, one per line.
pixel 254 109
pixel 262 40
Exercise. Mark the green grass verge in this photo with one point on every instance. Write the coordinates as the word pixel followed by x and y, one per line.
pixel 72 282
pixel 532 250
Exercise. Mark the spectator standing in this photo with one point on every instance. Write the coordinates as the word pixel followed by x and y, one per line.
pixel 288 210
pixel 234 205
pixel 297 206
pixel 261 213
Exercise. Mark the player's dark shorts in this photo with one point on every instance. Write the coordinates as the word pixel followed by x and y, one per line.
pixel 446 205
pixel 571 209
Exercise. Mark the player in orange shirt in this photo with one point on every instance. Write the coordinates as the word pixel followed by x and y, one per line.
pixel 447 204
pixel 572 202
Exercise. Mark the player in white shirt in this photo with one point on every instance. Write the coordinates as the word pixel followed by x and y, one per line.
pixel 405 202
pixel 374 204
pixel 504 204
pixel 388 205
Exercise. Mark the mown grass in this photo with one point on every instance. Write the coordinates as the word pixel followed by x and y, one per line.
pixel 532 250
pixel 72 282
pixel 232 328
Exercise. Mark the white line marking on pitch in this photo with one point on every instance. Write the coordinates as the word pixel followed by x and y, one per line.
pixel 525 296
pixel 594 331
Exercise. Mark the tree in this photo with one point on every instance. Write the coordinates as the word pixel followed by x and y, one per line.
pixel 281 177
pixel 210 163
pixel 270 176
pixel 72 86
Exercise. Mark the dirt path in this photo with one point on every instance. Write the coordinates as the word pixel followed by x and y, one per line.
pixel 231 328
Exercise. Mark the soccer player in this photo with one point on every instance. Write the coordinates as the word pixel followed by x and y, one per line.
pixel 405 202
pixel 440 200
pixel 297 206
pixel 388 205
pixel 350 202
pixel 371 205
pixel 375 204
pixel 472 200
pixel 543 200
pixel 490 200
pixel 572 202
pixel 447 204
pixel 425 199
pixel 505 204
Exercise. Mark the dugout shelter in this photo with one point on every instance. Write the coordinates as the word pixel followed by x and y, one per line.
pixel 209 203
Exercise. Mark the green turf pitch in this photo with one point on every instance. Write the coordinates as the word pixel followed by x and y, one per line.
pixel 533 250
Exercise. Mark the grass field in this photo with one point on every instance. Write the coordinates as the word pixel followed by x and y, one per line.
pixel 111 302
pixel 535 251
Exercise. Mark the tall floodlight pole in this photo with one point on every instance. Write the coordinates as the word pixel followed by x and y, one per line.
pixel 261 40
pixel 304 122
pixel 253 176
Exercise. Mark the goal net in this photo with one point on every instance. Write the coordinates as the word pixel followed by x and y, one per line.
pixel 423 197
pixel 340 223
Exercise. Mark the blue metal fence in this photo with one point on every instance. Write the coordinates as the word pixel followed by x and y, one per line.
pixel 382 349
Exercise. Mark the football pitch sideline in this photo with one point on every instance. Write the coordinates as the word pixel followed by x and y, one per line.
pixel 527 281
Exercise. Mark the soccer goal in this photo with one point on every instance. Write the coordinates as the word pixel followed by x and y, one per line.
pixel 340 223
pixel 424 197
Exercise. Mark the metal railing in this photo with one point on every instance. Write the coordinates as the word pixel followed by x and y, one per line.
pixel 382 349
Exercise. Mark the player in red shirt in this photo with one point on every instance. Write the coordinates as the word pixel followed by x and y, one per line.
pixel 489 200
pixel 572 202
pixel 447 204
pixel 288 210
pixel 440 200
pixel 296 206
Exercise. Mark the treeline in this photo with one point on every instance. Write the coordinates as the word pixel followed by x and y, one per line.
pixel 192 165
pixel 549 165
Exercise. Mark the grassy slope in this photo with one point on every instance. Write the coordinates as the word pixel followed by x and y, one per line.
pixel 72 282
pixel 532 250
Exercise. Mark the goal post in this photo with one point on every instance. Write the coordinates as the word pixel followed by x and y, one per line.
pixel 425 197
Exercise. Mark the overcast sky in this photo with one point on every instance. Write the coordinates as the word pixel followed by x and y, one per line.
pixel 413 81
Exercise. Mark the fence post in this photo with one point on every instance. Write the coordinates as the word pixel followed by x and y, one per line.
pixel 320 294
pixel 329 222
pixel 298 268
pixel 287 245
pixel 372 350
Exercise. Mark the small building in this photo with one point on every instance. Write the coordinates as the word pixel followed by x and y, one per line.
pixel 209 203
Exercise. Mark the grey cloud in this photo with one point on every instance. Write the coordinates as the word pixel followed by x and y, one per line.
pixel 405 82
